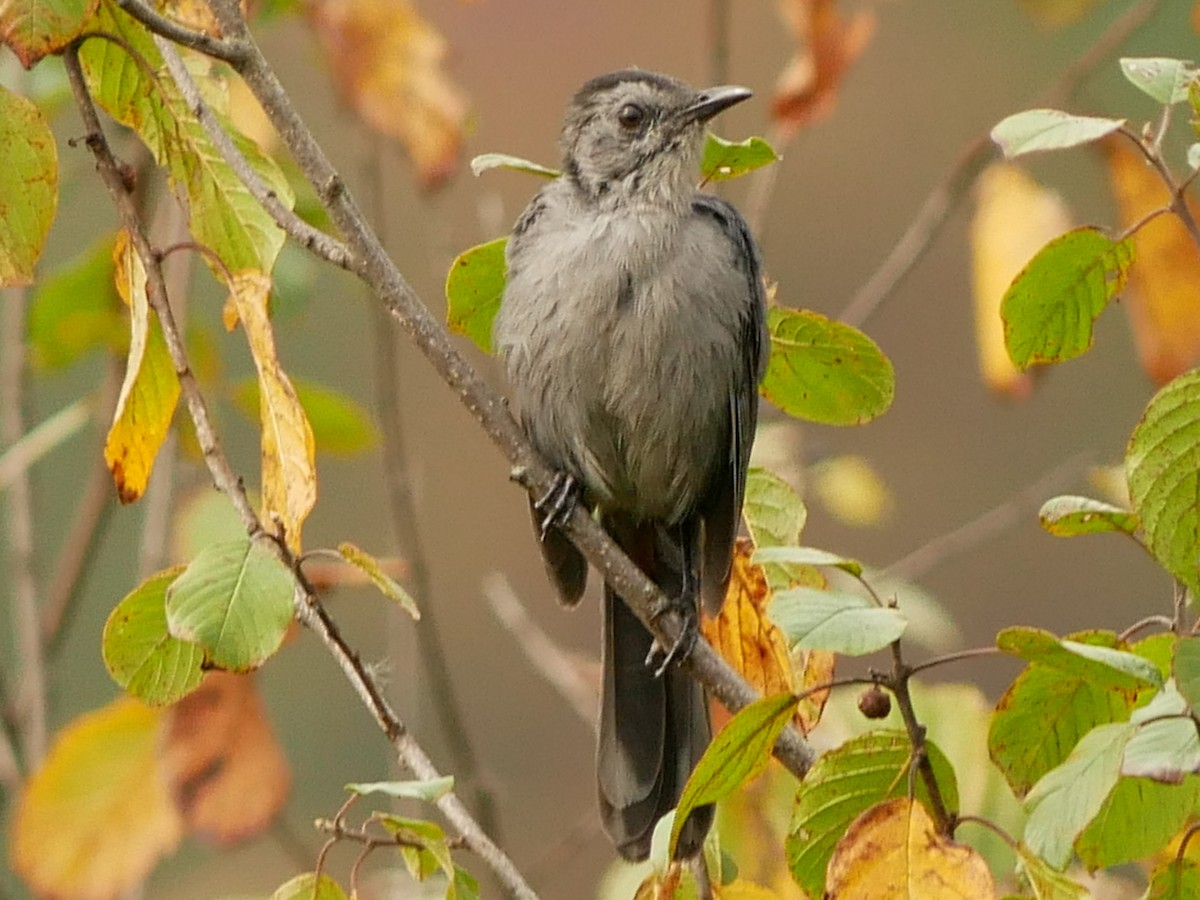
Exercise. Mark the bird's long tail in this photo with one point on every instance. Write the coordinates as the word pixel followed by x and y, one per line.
pixel 653 729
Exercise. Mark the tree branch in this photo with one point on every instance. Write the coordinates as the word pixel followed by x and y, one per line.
pixel 528 469
pixel 309 610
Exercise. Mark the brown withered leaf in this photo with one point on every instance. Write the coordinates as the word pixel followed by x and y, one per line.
pixel 221 761
pixel 829 43
pixel 809 669
pixel 1163 294
pixel 742 633
pixel 387 61
pixel 195 14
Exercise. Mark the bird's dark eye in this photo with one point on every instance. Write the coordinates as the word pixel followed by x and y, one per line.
pixel 631 116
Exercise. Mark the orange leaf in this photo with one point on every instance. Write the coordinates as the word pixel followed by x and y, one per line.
pixel 893 850
pixel 96 817
pixel 150 391
pixel 387 61
pixel 221 761
pixel 809 669
pixel 743 635
pixel 807 90
pixel 1014 217
pixel 289 475
pixel 1163 296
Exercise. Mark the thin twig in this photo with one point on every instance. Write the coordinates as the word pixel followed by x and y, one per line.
pixel 546 657
pixel 720 22
pixel 529 470
pixel 990 826
pixel 996 520
pixel 956 656
pixel 937 206
pixel 19 457
pixel 309 610
pixel 217 48
pixel 1141 624
pixel 30 694
pixel 318 242
pixel 82 540
pixel 397 477
pixel 898 684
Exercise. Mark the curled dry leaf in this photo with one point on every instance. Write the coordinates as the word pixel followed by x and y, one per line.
pixel 221 762
pixel 1014 217
pixel 289 475
pixel 829 43
pixel 1163 295
pixel 387 61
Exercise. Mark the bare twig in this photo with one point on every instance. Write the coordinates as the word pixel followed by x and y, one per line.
pixel 30 694
pixel 996 520
pixel 309 610
pixel 529 470
pixel 83 537
pixel 958 655
pixel 899 686
pixel 937 206
pixel 720 22
pixel 19 457
pixel 547 658
pixel 438 683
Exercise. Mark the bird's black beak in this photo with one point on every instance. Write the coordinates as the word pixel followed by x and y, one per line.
pixel 711 101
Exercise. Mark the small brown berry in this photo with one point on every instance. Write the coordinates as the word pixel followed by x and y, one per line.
pixel 874 702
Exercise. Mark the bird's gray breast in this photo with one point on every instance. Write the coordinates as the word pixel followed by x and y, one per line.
pixel 620 334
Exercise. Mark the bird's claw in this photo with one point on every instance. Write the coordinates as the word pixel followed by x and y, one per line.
pixel 680 650
pixel 556 504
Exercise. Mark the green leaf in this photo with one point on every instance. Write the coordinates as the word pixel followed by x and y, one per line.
pixel 76 308
pixel 464 886
pixel 223 214
pixel 825 371
pixel 1050 307
pixel 426 843
pixel 1049 129
pixel 235 600
pixel 1193 157
pixel 28 186
pixel 369 565
pixel 807 556
pixel 1187 670
pixel 1066 799
pixel 141 655
pixel 474 289
pixel 1175 879
pixel 33 30
pixel 773 511
pixel 1162 466
pixel 1166 746
pixel 724 159
pixel 429 790
pixel 1136 820
pixel 1045 712
pixel 834 620
pixel 1069 516
pixel 846 782
pixel 310 887
pixel 1102 665
pixel 485 161
pixel 340 426
pixel 737 754
pixel 1047 883
pixel 1166 80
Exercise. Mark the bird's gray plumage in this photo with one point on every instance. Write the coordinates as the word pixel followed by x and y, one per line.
pixel 632 328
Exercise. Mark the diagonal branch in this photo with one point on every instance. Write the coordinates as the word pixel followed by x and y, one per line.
pixel 488 408
pixel 309 610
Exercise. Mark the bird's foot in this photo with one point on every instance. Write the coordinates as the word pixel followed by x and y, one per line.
pixel 556 505
pixel 683 645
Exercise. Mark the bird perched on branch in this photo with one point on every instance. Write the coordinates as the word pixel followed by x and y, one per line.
pixel 633 333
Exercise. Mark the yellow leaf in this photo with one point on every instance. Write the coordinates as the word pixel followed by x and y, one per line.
pixel 387 61
pixel 1163 295
pixel 851 490
pixel 741 889
pixel 1014 217
pixel 892 850
pixel 289 475
pixel 221 760
pixel 95 818
pixel 809 669
pixel 743 635
pixel 151 389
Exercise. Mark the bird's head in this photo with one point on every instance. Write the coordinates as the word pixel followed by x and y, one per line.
pixel 636 137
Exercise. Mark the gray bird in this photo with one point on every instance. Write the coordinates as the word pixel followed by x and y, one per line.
pixel 633 333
